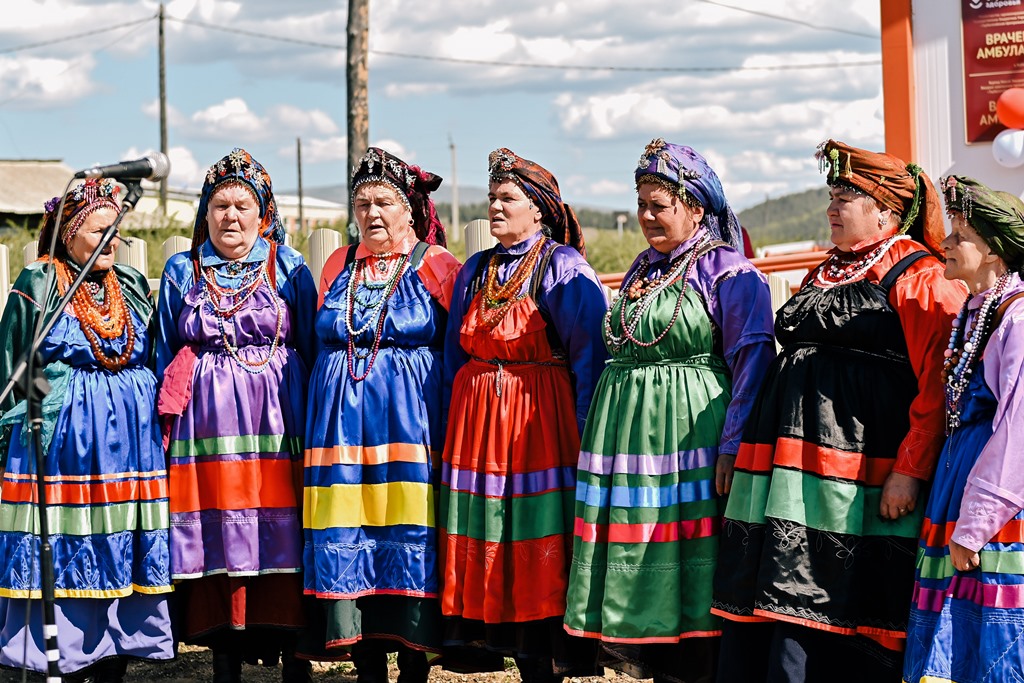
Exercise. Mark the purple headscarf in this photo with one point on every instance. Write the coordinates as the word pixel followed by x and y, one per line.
pixel 684 169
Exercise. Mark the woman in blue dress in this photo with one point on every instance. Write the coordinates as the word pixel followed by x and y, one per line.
pixel 373 432
pixel 106 482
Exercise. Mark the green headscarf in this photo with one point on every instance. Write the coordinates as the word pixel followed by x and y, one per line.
pixel 997 216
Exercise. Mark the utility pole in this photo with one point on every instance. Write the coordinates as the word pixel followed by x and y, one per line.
pixel 298 160
pixel 358 76
pixel 163 106
pixel 456 227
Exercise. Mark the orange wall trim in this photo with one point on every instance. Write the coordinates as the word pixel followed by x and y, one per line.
pixel 898 78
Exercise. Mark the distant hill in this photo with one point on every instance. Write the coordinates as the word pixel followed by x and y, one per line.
pixel 790 218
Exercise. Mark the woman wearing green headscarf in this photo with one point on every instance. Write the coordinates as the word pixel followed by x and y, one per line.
pixel 967 614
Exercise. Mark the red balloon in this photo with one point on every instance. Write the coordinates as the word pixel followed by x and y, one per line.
pixel 1010 108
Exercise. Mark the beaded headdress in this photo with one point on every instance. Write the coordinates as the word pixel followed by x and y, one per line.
pixel 239 166
pixel 79 203
pixel 686 173
pixel 998 217
pixel 903 188
pixel 412 184
pixel 542 188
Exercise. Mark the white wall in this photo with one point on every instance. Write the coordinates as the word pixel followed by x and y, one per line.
pixel 938 65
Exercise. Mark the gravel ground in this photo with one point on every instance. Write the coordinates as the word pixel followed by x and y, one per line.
pixel 192 665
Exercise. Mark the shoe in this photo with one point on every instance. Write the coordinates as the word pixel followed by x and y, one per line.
pixel 227 665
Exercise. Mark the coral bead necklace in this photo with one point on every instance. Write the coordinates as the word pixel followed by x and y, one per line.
pixel 495 299
pixel 108 319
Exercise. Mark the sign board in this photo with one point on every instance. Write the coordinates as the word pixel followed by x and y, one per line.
pixel 992 33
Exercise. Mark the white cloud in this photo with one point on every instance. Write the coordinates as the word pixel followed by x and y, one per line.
pixel 174 117
pixel 396 148
pixel 302 121
pixel 185 170
pixel 228 119
pixel 319 150
pixel 233 118
pixel 34 83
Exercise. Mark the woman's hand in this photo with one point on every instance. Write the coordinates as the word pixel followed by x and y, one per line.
pixel 723 472
pixel 963 559
pixel 899 496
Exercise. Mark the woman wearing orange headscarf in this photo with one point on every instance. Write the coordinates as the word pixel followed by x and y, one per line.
pixel 821 527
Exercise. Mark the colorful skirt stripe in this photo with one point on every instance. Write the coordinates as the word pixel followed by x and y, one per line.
pixel 966 627
pixel 647 515
pixel 507 490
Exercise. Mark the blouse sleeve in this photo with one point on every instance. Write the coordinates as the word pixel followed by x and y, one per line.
pixel 576 305
pixel 438 272
pixel 995 485
pixel 742 309
pixel 926 303
pixel 169 308
pixel 454 355
pixel 18 325
pixel 299 292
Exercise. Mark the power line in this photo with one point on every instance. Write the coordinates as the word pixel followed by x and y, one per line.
pixel 74 36
pixel 791 20
pixel 672 69
pixel 534 65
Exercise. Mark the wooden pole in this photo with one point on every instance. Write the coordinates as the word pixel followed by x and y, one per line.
pixel 298 160
pixel 357 73
pixel 456 228
pixel 163 107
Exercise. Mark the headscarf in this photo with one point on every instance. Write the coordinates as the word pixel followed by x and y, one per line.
pixel 413 185
pixel 79 203
pixel 904 188
pixel 239 166
pixel 997 216
pixel 685 172
pixel 542 189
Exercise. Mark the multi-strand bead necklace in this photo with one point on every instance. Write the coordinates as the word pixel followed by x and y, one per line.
pixel 106 319
pixel 834 273
pixel 965 348
pixel 375 310
pixel 645 292
pixel 238 296
pixel 495 299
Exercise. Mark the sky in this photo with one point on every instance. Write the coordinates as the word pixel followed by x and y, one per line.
pixel 260 74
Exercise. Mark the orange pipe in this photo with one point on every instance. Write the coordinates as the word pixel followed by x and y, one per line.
pixel 898 89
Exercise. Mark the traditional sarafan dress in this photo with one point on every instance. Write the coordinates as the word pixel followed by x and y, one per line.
pixel 522 369
pixel 106 484
pixel 967 626
pixel 647 514
pixel 854 395
pixel 373 444
pixel 234 351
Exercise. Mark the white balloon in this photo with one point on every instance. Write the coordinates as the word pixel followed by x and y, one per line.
pixel 1008 148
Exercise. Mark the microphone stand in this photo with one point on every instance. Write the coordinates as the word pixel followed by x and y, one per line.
pixel 28 375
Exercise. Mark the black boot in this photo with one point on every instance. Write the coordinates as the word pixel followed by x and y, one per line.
pixel 227 665
pixel 371 662
pixel 293 669
pixel 110 670
pixel 537 670
pixel 412 665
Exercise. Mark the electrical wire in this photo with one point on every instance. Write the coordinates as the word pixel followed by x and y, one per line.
pixel 74 36
pixel 791 20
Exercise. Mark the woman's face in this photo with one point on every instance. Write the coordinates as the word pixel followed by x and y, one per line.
pixel 666 220
pixel 513 216
pixel 233 220
pixel 966 252
pixel 85 241
pixel 854 218
pixel 384 220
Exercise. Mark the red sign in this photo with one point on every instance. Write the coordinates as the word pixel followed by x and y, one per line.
pixel 993 45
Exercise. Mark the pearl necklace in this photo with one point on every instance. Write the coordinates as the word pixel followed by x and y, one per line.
pixel 376 313
pixel 211 290
pixel 961 360
pixel 832 274
pixel 682 266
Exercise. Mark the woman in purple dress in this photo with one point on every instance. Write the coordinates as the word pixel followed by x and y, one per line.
pixel 235 345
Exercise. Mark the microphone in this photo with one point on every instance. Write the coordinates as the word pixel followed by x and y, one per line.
pixel 153 167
